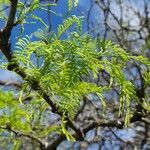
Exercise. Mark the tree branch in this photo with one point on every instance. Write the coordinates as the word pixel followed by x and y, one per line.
pixel 11 82
pixel 147 121
pixel 11 17
pixel 19 133
pixel 6 32
pixel 99 123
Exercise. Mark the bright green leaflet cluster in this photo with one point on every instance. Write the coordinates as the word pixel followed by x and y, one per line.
pixel 60 64
pixel 13 114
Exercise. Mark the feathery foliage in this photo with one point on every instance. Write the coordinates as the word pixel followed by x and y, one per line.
pixel 72 3
pixel 60 64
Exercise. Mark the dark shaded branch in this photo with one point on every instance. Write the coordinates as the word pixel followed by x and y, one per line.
pixel 11 17
pixel 140 92
pixel 11 82
pixel 4 9
pixel 146 136
pixel 145 120
pixel 19 133
pixel 6 32
pixel 100 123
pixel 121 140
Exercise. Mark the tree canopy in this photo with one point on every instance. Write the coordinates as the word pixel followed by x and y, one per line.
pixel 48 105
